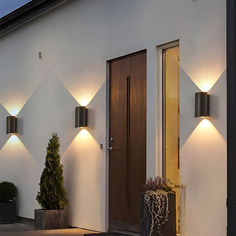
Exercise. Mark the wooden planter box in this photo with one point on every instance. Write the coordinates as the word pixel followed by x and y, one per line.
pixel 167 229
pixel 50 219
pixel 8 212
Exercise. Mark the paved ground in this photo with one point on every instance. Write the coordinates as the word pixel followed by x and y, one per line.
pixel 27 229
pixel 20 229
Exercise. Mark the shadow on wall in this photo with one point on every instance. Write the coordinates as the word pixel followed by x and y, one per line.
pixel 203 159
pixel 83 175
pixel 49 109
pixel 83 166
pixel 52 108
pixel 96 120
pixel 199 169
pixel 187 101
pixel 18 166
pixel 4 137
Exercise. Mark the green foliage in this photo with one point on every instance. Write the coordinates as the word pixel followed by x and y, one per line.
pixel 52 194
pixel 8 191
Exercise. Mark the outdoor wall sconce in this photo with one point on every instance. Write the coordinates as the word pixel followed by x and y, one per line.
pixel 11 125
pixel 81 116
pixel 202 104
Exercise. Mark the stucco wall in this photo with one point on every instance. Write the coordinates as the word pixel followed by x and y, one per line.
pixel 76 40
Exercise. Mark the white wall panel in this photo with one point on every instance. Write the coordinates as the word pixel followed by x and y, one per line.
pixel 76 40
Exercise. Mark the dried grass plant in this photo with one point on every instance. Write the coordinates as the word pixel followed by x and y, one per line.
pixel 156 202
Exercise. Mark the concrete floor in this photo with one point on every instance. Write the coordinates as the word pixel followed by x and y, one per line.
pixel 22 229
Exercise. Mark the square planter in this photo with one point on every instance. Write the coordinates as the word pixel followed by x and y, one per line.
pixel 167 229
pixel 50 219
pixel 8 212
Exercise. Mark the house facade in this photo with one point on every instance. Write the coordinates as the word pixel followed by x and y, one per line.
pixel 65 58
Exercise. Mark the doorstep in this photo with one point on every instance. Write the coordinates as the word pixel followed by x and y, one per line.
pixel 58 232
pixel 114 233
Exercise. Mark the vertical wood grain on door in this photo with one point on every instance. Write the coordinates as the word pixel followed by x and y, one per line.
pixel 127 159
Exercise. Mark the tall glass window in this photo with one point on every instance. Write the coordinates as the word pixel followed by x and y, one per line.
pixel 170 113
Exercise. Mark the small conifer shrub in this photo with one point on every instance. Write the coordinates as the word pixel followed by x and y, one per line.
pixel 8 191
pixel 52 194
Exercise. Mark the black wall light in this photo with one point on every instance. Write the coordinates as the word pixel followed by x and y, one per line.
pixel 202 104
pixel 81 116
pixel 11 125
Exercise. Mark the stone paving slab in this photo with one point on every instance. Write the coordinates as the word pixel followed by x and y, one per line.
pixel 59 232
pixel 17 227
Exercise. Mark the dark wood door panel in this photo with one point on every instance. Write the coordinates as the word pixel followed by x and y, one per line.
pixel 127 162
pixel 117 165
pixel 137 131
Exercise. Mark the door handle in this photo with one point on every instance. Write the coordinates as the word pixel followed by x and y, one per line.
pixel 111 148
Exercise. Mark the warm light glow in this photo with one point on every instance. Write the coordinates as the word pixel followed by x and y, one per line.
pixel 205 87
pixel 17 153
pixel 205 123
pixel 14 111
pixel 84 103
pixel 84 141
pixel 14 139
pixel 83 133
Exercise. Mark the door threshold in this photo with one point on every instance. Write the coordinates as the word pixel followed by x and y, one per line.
pixel 113 233
pixel 124 232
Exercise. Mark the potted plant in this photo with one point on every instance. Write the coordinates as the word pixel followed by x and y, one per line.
pixel 158 208
pixel 52 194
pixel 8 193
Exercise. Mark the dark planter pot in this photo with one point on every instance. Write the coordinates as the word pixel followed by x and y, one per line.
pixel 50 219
pixel 8 212
pixel 167 229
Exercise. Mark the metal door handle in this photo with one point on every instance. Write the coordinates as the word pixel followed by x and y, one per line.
pixel 111 148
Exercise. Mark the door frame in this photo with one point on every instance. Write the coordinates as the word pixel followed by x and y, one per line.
pixel 163 123
pixel 108 62
pixel 163 68
pixel 231 116
pixel 159 118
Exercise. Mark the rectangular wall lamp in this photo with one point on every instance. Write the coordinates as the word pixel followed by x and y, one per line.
pixel 11 125
pixel 202 104
pixel 81 116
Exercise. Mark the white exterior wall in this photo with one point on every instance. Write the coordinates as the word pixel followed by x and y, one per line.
pixel 76 40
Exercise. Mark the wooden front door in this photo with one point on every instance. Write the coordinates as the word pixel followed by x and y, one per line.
pixel 127 140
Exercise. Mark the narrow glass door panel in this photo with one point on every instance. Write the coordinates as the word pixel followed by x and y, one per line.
pixel 171 119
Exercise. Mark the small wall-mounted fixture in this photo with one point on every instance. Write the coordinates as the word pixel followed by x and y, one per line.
pixel 11 125
pixel 81 116
pixel 202 104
